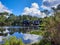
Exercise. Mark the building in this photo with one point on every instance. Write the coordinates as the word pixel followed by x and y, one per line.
pixel 26 23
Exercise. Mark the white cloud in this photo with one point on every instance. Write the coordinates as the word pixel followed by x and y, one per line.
pixel 33 11
pixel 4 9
pixel 48 4
pixel 35 5
pixel 45 7
pixel 51 3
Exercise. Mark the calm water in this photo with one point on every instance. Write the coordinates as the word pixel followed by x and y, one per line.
pixel 26 38
pixel 19 28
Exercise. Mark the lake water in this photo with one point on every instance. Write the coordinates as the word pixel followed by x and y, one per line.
pixel 26 38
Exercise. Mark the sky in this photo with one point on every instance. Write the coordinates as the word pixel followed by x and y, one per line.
pixel 27 7
pixel 17 6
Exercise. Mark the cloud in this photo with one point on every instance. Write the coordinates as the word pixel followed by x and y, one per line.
pixel 48 4
pixel 35 5
pixel 4 9
pixel 51 3
pixel 33 11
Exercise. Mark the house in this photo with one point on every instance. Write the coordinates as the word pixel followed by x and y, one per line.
pixel 26 23
pixel 36 22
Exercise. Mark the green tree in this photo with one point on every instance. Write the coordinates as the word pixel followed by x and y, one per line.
pixel 21 42
pixel 6 42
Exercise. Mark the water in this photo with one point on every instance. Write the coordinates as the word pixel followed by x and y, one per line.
pixel 26 38
pixel 1 38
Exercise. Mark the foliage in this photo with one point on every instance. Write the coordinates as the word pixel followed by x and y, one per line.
pixel 49 27
pixel 13 41
pixel 44 42
pixel 39 32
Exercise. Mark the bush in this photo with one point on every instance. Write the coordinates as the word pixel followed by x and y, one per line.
pixel 13 41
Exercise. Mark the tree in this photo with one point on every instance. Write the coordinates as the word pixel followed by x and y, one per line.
pixel 21 42
pixel 6 42
pixel 58 7
pixel 13 41
pixel 10 19
pixel 2 20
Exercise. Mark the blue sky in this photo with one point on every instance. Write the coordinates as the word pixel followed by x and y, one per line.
pixel 17 6
pixel 28 7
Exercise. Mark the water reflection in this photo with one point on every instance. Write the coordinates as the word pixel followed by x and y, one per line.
pixel 12 29
pixel 26 38
pixel 16 31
